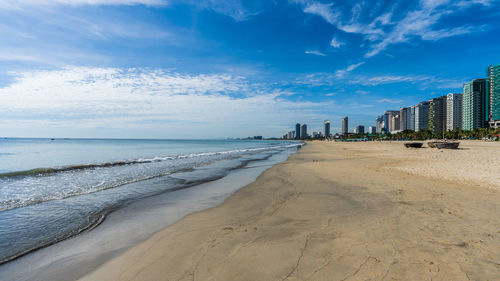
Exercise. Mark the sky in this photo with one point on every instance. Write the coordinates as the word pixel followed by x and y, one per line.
pixel 231 68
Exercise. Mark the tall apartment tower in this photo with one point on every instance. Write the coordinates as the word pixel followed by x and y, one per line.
pixel 359 129
pixel 474 105
pixel 379 123
pixel 422 116
pixel 454 111
pixel 404 118
pixel 327 128
pixel 345 125
pixel 412 118
pixel 303 131
pixel 297 131
pixel 437 114
pixel 388 116
pixel 395 123
pixel 493 74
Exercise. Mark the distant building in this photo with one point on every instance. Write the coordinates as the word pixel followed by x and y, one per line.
pixel 395 123
pixel 372 130
pixel 474 105
pixel 493 74
pixel 327 128
pixel 291 135
pixel 454 111
pixel 412 118
pixel 404 118
pixel 297 131
pixel 379 123
pixel 437 114
pixel 388 117
pixel 345 125
pixel 359 129
pixel 422 116
pixel 303 131
pixel 316 135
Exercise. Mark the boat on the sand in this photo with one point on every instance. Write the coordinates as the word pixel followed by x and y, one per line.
pixel 447 145
pixel 443 144
pixel 414 144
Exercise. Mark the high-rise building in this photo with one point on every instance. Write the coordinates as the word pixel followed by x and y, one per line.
pixel 372 130
pixel 379 123
pixel 316 135
pixel 422 116
pixel 493 75
pixel 453 111
pixel 359 129
pixel 474 105
pixel 388 117
pixel 437 114
pixel 345 125
pixel 412 118
pixel 404 118
pixel 303 131
pixel 327 128
pixel 297 131
pixel 395 123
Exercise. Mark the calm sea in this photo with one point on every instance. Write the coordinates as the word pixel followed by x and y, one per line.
pixel 52 189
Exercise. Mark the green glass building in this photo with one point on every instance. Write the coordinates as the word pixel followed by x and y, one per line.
pixel 493 88
pixel 475 105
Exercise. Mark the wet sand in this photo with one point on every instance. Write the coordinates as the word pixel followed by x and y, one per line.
pixel 338 211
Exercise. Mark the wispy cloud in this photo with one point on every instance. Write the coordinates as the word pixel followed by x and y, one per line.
pixel 336 43
pixel 342 72
pixel 362 92
pixel 313 52
pixel 389 100
pixel 344 76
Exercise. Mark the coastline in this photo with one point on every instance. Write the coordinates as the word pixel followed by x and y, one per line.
pixel 76 256
pixel 335 211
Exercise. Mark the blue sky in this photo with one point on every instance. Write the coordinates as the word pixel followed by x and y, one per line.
pixel 230 68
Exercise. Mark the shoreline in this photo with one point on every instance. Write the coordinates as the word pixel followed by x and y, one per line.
pixel 334 211
pixel 76 256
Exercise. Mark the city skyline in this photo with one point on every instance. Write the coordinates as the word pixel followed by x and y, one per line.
pixel 230 68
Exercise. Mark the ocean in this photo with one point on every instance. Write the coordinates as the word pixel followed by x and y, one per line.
pixel 54 189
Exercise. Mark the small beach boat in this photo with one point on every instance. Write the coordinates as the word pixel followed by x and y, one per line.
pixel 413 144
pixel 432 144
pixel 447 145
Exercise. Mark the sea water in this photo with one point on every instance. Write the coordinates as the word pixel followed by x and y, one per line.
pixel 53 189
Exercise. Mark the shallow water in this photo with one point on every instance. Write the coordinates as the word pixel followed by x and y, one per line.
pixel 52 190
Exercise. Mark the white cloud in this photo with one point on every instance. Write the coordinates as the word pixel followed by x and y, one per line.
pixel 313 52
pixel 114 98
pixel 390 101
pixel 336 43
pixel 342 72
pixel 361 92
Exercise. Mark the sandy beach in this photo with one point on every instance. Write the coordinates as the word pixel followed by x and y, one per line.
pixel 340 211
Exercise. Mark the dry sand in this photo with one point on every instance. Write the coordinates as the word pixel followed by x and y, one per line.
pixel 340 211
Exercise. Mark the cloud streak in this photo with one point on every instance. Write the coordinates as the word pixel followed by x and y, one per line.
pixel 313 52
